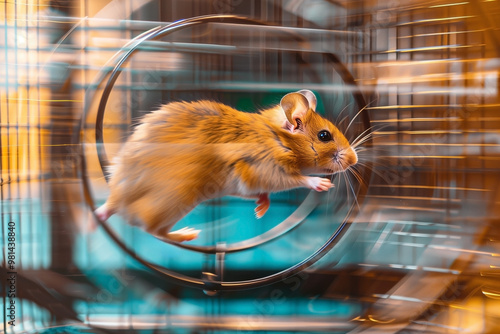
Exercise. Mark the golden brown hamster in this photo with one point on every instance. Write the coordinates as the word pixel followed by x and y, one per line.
pixel 188 152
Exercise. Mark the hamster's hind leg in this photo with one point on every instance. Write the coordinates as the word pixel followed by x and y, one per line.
pixel 184 234
pixel 159 219
pixel 263 204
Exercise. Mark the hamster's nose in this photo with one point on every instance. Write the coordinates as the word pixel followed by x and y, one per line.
pixel 351 156
pixel 347 157
pixel 336 156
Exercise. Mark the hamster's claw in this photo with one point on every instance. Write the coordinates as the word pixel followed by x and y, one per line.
pixel 184 234
pixel 263 204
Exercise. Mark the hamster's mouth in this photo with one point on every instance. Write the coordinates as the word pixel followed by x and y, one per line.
pixel 329 171
pixel 337 168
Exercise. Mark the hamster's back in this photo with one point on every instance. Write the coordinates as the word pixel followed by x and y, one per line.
pixel 201 122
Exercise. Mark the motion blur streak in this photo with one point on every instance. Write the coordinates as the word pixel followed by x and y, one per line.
pixel 421 250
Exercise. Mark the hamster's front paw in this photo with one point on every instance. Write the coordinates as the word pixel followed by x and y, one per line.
pixel 318 183
pixel 263 204
pixel 184 234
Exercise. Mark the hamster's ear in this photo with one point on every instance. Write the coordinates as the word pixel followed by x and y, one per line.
pixel 313 102
pixel 295 106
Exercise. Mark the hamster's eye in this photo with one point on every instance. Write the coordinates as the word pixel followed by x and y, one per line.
pixel 324 136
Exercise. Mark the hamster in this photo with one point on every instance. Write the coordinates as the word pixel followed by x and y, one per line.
pixel 189 152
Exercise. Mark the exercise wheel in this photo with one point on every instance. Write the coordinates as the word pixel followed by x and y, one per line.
pixel 215 281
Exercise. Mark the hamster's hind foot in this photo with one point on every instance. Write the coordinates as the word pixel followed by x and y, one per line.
pixel 263 204
pixel 184 234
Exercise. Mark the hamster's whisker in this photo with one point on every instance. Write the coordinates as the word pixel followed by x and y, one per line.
pixel 375 156
pixel 367 164
pixel 340 114
pixel 357 175
pixel 370 152
pixel 382 176
pixel 379 127
pixel 362 140
pixel 362 149
pixel 346 187
pixel 370 149
pixel 367 154
pixel 339 124
pixel 352 190
pixel 357 114
pixel 354 118
pixel 372 167
pixel 349 189
pixel 328 197
pixel 362 137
